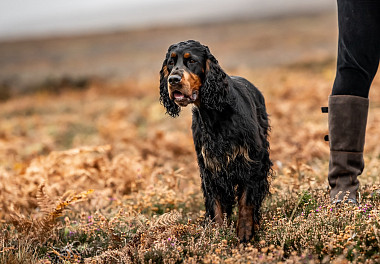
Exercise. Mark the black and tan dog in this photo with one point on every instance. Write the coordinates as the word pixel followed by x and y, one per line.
pixel 230 131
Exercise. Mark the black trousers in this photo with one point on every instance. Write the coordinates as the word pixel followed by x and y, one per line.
pixel 358 46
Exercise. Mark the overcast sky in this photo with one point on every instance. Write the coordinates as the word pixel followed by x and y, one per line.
pixel 20 18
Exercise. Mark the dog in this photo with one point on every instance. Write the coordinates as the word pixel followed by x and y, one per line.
pixel 230 131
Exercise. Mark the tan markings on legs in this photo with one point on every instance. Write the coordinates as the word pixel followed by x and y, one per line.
pixel 245 223
pixel 218 213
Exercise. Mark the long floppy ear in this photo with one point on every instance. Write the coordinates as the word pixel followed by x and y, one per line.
pixel 215 88
pixel 171 108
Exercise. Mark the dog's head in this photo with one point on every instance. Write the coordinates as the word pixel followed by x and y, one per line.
pixel 190 74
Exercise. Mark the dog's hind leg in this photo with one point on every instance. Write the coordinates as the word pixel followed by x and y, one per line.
pixel 250 198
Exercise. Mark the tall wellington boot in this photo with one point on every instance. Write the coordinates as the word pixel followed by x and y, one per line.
pixel 347 117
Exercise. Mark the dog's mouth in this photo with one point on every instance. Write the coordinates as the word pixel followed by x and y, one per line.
pixel 177 95
pixel 184 99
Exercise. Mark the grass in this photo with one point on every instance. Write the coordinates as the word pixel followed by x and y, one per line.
pixel 147 206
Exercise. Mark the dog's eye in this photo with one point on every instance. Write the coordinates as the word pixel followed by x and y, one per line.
pixel 192 61
pixel 171 63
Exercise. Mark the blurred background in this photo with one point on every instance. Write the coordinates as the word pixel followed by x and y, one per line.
pixel 42 17
pixel 75 41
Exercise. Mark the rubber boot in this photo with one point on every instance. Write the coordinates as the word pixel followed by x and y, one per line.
pixel 347 117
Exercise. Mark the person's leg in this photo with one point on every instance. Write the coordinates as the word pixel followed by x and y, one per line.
pixel 358 46
pixel 358 60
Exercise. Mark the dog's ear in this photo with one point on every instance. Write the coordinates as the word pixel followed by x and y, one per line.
pixel 171 107
pixel 213 94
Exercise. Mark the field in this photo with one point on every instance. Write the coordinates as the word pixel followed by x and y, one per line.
pixel 93 171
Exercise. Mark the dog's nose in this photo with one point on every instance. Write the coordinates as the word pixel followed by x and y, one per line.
pixel 174 79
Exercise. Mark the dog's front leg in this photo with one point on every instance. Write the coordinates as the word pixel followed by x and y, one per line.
pixel 245 224
pixel 214 208
pixel 218 212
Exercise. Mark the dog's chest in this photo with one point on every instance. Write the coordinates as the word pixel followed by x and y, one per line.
pixel 217 142
pixel 220 160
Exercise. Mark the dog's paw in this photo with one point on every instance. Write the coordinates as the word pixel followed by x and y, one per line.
pixel 245 229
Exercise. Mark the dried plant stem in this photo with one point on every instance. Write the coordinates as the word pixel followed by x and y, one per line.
pixel 290 220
